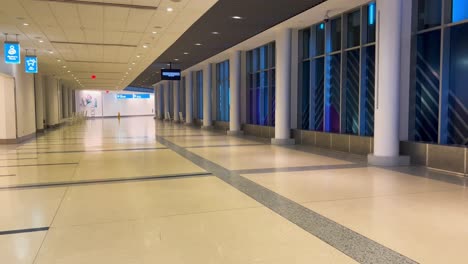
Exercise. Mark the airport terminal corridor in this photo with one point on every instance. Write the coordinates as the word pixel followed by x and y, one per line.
pixel 139 190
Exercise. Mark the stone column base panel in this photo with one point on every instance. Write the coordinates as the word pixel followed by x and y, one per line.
pixel 388 161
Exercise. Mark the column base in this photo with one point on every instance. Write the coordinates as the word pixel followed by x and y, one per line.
pixel 235 133
pixel 283 141
pixel 207 127
pixel 388 161
pixel 188 124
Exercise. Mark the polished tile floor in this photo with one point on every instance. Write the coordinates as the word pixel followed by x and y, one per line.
pixel 145 191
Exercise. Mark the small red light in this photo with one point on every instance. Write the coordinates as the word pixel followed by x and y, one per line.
pixel 107 91
pixel 93 77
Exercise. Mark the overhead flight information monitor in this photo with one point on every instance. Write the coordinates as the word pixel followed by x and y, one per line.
pixel 170 75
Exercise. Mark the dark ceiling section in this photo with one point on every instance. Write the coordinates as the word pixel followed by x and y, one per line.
pixel 258 16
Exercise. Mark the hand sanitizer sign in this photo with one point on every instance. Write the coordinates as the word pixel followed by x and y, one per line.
pixel 30 64
pixel 12 52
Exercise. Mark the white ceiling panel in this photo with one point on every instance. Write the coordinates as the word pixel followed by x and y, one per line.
pixel 138 20
pixel 66 15
pixel 91 17
pixel 115 18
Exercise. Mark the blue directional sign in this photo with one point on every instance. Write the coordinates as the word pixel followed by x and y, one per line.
pixel 12 52
pixel 124 96
pixel 141 96
pixel 30 64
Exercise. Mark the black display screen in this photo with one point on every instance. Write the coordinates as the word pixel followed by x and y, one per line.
pixel 170 75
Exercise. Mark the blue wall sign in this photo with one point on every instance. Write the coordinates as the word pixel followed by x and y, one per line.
pixel 30 64
pixel 12 52
pixel 124 96
pixel 141 96
pixel 133 96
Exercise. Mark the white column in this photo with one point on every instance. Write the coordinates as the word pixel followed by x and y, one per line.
pixel 39 97
pixel 386 122
pixel 155 104
pixel 52 101
pixel 165 87
pixel 70 101
pixel 283 88
pixel 234 93
pixel 189 98
pixel 176 87
pixel 161 101
pixel 65 102
pixel 207 122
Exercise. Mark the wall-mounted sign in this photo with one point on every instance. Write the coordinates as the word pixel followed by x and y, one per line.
pixel 141 96
pixel 12 52
pixel 30 64
pixel 124 96
pixel 133 96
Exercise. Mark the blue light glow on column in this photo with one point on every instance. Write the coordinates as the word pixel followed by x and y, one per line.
pixel 12 52
pixel 371 14
pixel 459 10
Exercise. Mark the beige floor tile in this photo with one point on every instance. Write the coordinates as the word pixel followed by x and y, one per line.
pixel 337 184
pixel 428 227
pixel 117 202
pixel 30 208
pixel 36 174
pixel 104 165
pixel 20 248
pixel 234 236
pixel 267 156
pixel 44 159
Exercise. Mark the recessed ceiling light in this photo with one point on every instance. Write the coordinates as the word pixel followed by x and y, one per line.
pixel 186 53
pixel 129 69
pixel 59 60
pixel 215 33
pixel 133 63
pixel 145 46
pixel 198 44
pixel 138 56
pixel 68 71
pixel 237 17
pixel 170 9
pixel 64 66
pixel 25 24
pixel 51 52
pixel 176 59
pixel 41 41
pixel 154 32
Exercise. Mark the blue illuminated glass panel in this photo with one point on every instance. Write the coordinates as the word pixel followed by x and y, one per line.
pixel 352 93
pixel 222 85
pixel 429 13
pixel 260 80
pixel 426 94
pixel 458 92
pixel 199 85
pixel 332 95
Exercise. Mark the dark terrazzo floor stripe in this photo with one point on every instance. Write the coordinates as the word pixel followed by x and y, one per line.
pixel 43 164
pixel 104 181
pixel 19 231
pixel 302 168
pixel 353 244
pixel 226 145
pixel 86 151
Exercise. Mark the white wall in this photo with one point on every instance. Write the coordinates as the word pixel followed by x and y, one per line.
pixel 7 107
pixel 51 100
pixel 106 104
pixel 25 101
